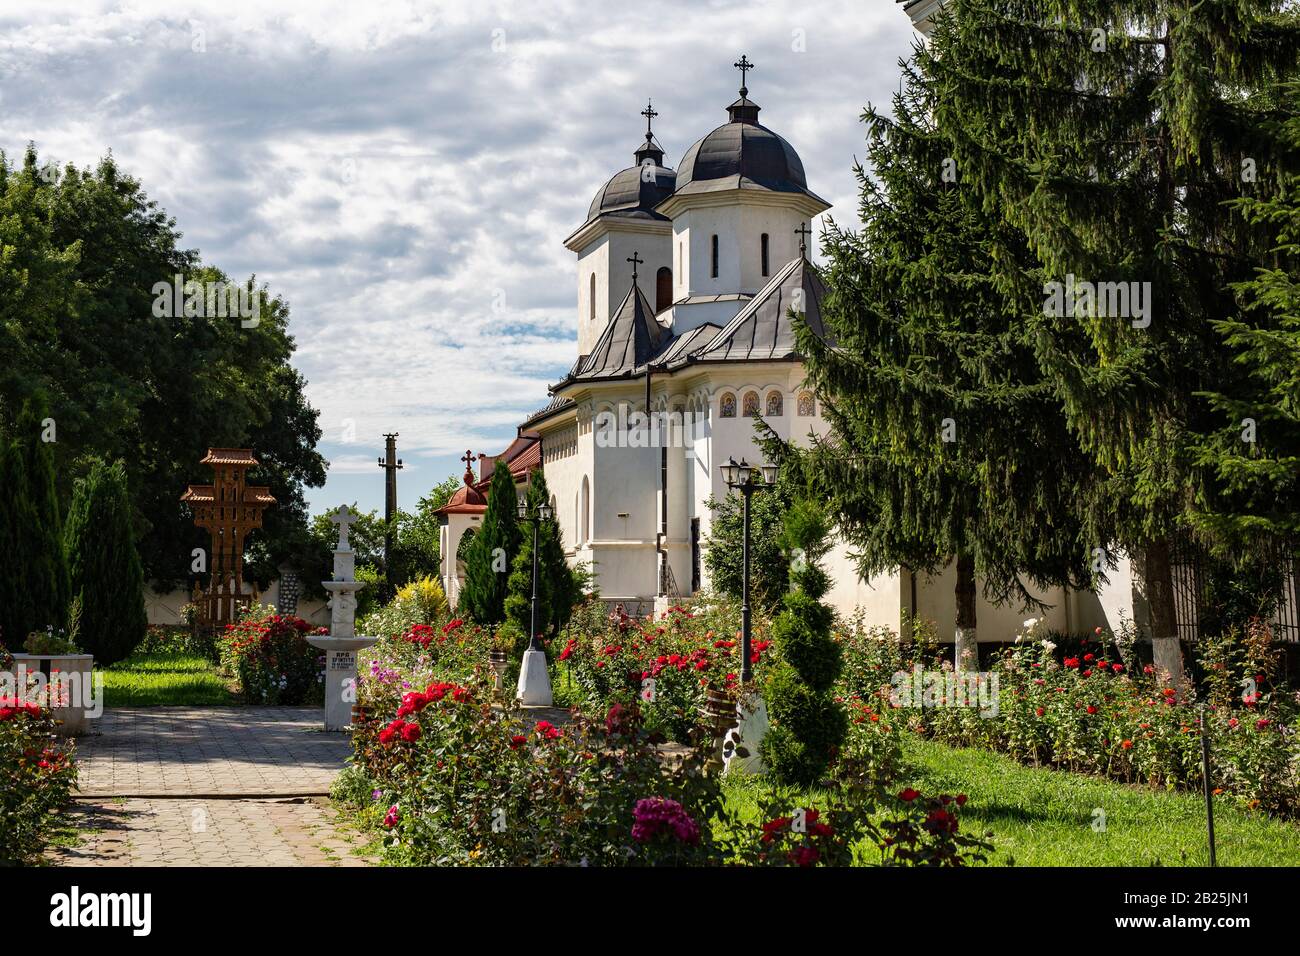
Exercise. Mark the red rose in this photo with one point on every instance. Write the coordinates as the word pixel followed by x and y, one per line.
pixel 411 733
pixel 908 794
pixel 1126 744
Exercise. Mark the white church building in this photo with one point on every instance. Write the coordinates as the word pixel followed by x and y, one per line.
pixel 685 279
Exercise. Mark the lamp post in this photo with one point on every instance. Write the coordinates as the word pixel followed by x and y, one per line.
pixel 740 476
pixel 534 687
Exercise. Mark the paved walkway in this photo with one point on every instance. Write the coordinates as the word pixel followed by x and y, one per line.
pixel 208 786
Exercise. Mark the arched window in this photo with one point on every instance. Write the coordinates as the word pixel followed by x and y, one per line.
pixel 807 407
pixel 591 296
pixel 586 511
pixel 763 244
pixel 663 289
pixel 749 407
pixel 715 255
pixel 727 405
pixel 466 539
pixel 774 405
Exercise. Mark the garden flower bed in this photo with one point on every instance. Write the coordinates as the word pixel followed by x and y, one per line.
pixel 37 775
pixel 448 778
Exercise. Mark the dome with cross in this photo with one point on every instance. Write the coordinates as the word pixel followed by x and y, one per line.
pixel 634 192
pixel 741 154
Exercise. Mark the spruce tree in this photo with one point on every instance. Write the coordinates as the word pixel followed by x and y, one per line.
pixel 807 725
pixel 46 565
pixel 949 446
pixel 1113 134
pixel 492 553
pixel 1250 496
pixel 104 565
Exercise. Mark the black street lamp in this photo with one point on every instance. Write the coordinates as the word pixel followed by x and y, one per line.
pixel 543 514
pixel 741 477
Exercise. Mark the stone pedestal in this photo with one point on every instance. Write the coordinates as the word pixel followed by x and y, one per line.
pixel 340 677
pixel 534 688
pixel 65 683
pixel 342 644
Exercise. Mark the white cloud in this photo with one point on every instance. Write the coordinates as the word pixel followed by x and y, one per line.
pixel 387 169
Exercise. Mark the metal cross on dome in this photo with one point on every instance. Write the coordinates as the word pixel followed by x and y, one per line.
pixel 744 66
pixel 468 459
pixel 636 260
pixel 649 113
pixel 344 517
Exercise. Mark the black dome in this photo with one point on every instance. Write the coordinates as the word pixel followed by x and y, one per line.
pixel 742 155
pixel 632 194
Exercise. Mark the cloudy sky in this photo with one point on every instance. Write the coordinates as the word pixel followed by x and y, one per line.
pixel 404 173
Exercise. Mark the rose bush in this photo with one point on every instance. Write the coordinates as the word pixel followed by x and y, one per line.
pixel 462 783
pixel 269 655
pixel 37 775
pixel 667 665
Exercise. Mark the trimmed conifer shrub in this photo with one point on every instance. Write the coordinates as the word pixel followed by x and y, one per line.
pixel 104 565
pixel 46 578
pixel 807 725
pixel 490 555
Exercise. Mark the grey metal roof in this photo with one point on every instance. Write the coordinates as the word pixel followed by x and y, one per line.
pixel 632 194
pixel 557 404
pixel 689 341
pixel 763 330
pixel 632 337
pixel 741 155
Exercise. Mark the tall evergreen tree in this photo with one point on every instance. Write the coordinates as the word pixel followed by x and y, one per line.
pixel 104 565
pixel 492 552
pixel 17 611
pixel 948 444
pixel 1250 495
pixel 557 591
pixel 44 558
pixel 1113 133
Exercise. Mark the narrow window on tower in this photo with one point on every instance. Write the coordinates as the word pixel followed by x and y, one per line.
pixel 715 255
pixel 591 296
pixel 763 245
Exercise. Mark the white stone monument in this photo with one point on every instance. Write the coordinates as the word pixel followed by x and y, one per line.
pixel 342 644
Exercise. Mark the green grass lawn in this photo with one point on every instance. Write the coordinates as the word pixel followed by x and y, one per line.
pixel 1042 817
pixel 146 680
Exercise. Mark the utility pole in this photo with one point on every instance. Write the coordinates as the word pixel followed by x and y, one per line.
pixel 390 463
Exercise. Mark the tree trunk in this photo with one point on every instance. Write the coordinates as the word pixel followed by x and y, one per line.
pixel 1158 587
pixel 966 650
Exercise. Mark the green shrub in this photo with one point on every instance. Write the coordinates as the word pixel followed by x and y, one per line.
pixel 104 565
pixel 807 724
pixel 272 660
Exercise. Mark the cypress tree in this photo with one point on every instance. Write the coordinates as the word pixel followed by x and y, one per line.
pixel 949 446
pixel 47 571
pixel 807 725
pixel 17 610
pixel 1114 134
pixel 558 589
pixel 104 565
pixel 491 554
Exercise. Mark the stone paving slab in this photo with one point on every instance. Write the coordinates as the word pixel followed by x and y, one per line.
pixel 205 832
pixel 158 752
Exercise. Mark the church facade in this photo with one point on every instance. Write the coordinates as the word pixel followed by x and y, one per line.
pixel 686 279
